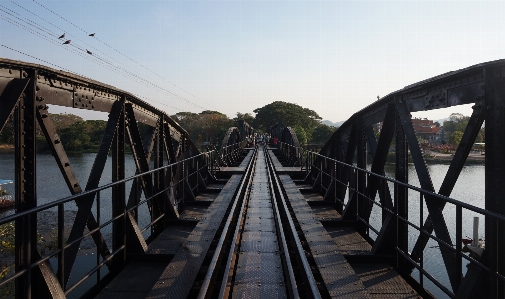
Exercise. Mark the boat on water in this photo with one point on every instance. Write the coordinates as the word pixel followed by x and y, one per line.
pixel 5 198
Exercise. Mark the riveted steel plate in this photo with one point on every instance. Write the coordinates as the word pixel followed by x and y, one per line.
pixel 260 214
pixel 258 209
pixel 259 267
pixel 266 221
pixel 193 213
pixel 349 241
pixel 338 275
pixel 264 225
pixel 325 213
pixel 382 279
pixel 137 277
pixel 176 232
pixel 258 235
pixel 251 291
pixel 163 246
pixel 178 277
pixel 204 196
pixel 259 204
pixel 260 244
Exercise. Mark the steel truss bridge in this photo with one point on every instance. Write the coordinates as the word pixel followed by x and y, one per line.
pixel 243 222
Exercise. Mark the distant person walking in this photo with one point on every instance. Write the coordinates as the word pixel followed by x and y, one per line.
pixel 275 141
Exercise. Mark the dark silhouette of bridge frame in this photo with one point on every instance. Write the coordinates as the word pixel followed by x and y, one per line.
pixel 180 171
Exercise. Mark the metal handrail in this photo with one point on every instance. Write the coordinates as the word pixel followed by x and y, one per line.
pixel 208 156
pixel 312 157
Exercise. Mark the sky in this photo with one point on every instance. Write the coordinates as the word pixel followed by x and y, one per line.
pixel 333 57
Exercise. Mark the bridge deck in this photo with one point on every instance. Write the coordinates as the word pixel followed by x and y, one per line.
pixel 172 265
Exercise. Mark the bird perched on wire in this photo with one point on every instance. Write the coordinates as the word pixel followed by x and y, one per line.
pixel 89 52
pixel 92 34
pixel 62 36
pixel 67 42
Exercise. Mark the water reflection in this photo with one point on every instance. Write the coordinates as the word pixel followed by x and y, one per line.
pixel 469 189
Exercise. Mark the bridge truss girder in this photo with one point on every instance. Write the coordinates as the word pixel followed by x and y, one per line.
pixel 26 90
pixel 482 85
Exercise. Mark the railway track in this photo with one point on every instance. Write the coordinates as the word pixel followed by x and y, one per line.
pixel 259 253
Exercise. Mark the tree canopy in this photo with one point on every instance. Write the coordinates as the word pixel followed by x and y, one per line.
pixel 207 126
pixel 290 114
pixel 455 127
pixel 322 133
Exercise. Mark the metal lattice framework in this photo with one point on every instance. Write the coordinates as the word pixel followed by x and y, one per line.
pixel 340 167
pixel 233 142
pixel 288 143
pixel 26 90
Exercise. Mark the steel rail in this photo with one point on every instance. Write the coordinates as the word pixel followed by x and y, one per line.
pixel 206 290
pixel 309 277
pixel 288 267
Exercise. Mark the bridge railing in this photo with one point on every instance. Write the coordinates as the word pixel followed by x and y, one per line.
pixel 121 222
pixel 364 204
pixel 296 155
pixel 230 153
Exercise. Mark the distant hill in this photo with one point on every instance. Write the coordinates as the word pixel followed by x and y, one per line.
pixel 332 124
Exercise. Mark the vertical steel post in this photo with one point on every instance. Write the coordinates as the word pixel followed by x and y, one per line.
pixel 159 176
pixel 339 185
pixel 363 203
pixel 495 177
pixel 26 184
pixel 118 192
pixel 401 193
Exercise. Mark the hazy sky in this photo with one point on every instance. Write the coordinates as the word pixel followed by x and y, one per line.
pixel 334 57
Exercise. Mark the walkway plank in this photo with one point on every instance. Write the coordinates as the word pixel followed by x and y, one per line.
pixel 178 277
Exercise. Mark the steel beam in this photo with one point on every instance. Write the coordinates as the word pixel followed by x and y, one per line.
pixel 425 180
pixel 10 98
pixel 84 204
pixel 401 198
pixel 119 192
pixel 457 163
pixel 350 210
pixel 380 153
pixel 495 177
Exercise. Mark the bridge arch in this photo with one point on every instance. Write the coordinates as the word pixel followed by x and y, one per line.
pixel 170 170
pixel 233 142
pixel 339 172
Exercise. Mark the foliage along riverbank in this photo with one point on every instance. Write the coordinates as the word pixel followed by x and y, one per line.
pixel 79 136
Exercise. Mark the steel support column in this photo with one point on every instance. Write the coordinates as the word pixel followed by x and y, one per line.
pixel 119 192
pixel 495 177
pixel 401 197
pixel 26 185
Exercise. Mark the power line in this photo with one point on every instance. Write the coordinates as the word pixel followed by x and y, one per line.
pixel 122 53
pixel 113 67
pixel 67 70
pixel 62 30
pixel 78 53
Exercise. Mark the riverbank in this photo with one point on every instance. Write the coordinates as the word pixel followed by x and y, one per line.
pixel 439 158
pixel 6 147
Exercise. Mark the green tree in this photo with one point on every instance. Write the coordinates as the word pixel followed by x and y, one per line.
pixel 290 114
pixel 247 117
pixel 322 133
pixel 300 134
pixel 75 137
pixel 456 122
pixel 208 125
pixel 455 138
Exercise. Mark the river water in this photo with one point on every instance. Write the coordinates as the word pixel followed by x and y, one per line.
pixel 51 186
